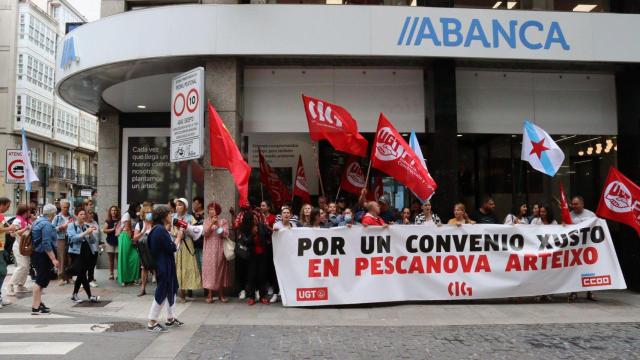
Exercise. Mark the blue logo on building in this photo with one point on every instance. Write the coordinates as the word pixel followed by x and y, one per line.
pixel 448 32
pixel 69 53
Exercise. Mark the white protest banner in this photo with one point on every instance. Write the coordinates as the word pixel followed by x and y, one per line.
pixel 418 262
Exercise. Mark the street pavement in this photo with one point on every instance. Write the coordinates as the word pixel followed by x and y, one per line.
pixel 503 329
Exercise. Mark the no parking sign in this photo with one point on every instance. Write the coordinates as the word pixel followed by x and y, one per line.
pixel 15 167
pixel 187 115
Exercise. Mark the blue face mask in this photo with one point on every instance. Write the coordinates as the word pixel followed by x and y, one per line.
pixel 347 218
pixel 148 217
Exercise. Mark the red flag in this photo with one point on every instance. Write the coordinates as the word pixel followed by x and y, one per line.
pixel 564 207
pixel 300 188
pixel 277 189
pixel 333 123
pixel 620 200
pixel 224 153
pixel 377 189
pixel 394 156
pixel 352 177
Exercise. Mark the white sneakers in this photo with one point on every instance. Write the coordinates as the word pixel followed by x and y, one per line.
pixel 93 284
pixel 257 295
pixel 76 299
pixel 22 289
pixel 242 295
pixel 11 291
pixel 274 298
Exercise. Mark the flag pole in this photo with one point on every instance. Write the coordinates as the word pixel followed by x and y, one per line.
pixel 339 188
pixel 366 180
pixel 315 153
pixel 261 192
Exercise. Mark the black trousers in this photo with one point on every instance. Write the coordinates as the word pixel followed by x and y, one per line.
pixel 242 270
pixel 80 265
pixel 271 271
pixel 92 268
pixel 257 275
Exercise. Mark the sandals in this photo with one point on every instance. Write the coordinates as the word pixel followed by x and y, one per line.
pixel 590 296
pixel 142 293
pixel 223 299
pixel 210 301
pixel 111 277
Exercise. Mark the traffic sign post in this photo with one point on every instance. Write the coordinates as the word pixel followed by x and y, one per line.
pixel 187 116
pixel 15 167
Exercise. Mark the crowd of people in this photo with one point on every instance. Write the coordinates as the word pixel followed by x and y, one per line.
pixel 184 251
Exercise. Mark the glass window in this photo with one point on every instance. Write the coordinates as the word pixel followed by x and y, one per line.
pixel 549 5
pixel 490 165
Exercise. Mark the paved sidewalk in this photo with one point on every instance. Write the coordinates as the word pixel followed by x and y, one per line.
pixel 231 327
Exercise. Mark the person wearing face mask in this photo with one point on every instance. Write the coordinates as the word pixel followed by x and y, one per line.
pixel 347 219
pixel 140 235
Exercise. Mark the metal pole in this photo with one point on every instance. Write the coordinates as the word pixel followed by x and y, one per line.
pixel 189 184
pixel 315 153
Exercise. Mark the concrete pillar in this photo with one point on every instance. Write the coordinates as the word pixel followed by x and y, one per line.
pixel 223 80
pixel 109 164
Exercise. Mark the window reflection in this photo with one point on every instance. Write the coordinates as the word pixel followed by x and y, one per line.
pixel 549 5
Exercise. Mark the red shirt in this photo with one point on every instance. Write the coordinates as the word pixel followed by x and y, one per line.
pixel 369 219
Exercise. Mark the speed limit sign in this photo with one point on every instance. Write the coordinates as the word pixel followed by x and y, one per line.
pixel 187 116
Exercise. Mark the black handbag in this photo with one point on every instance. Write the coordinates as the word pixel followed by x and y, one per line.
pixel 243 246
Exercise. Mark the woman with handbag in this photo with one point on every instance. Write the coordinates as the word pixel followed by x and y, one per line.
pixel 81 251
pixel 215 267
pixel 23 262
pixel 186 262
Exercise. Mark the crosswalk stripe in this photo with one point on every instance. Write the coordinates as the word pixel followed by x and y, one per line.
pixel 54 328
pixel 26 315
pixel 37 348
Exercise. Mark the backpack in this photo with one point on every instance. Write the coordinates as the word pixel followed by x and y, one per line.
pixel 26 244
pixel 144 249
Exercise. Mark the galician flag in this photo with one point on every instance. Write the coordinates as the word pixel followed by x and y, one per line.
pixel 539 150
pixel 415 146
pixel 29 175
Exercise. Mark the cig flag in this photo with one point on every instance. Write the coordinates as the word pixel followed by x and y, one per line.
pixel 394 156
pixel 29 175
pixel 224 153
pixel 300 187
pixel 353 180
pixel 269 178
pixel 539 150
pixel 564 207
pixel 620 200
pixel 334 123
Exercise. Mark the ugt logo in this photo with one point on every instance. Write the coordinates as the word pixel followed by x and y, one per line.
pixel 459 289
pixel 312 294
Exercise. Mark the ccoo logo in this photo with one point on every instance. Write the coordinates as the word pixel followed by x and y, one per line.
pixel 388 148
pixel 355 175
pixel 617 197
